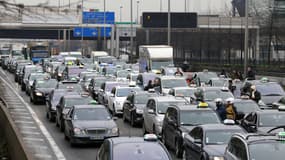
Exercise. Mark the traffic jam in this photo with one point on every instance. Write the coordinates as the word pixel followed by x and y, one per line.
pixel 200 115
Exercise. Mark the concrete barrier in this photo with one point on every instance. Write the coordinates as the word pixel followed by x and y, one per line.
pixel 15 144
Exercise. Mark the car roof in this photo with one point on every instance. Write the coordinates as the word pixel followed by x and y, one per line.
pixel 216 127
pixel 171 77
pixel 256 137
pixel 270 111
pixel 191 107
pixel 238 100
pixel 168 98
pixel 89 106
pixel 73 96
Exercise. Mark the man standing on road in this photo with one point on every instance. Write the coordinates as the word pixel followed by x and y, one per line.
pixel 231 112
pixel 220 108
pixel 250 75
pixel 254 94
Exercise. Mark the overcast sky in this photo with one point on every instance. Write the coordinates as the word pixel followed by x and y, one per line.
pixel 200 6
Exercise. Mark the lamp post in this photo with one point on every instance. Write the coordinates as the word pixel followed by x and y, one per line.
pixel 132 40
pixel 121 7
pixel 138 2
pixel 169 25
pixel 246 38
pixel 104 32
pixel 82 28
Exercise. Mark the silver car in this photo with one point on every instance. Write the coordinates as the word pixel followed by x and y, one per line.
pixel 154 111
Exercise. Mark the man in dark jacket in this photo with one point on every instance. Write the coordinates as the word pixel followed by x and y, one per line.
pixel 254 94
pixel 221 109
pixel 250 75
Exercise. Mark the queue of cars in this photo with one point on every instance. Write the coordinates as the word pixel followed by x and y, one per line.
pixel 84 100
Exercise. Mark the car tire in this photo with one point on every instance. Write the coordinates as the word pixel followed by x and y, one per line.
pixel 56 122
pixel 65 136
pixel 47 115
pixel 178 150
pixel 23 87
pixel 61 127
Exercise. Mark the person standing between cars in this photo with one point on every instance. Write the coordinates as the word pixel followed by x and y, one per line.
pixel 220 108
pixel 149 85
pixel 223 73
pixel 178 72
pixel 231 112
pixel 250 75
pixel 254 94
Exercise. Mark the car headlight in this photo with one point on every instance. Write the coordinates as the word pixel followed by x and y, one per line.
pixel 140 111
pixel 39 94
pixel 78 131
pixel 114 130
pixel 217 158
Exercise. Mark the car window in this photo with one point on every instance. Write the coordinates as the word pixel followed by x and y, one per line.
pixel 217 137
pixel 238 149
pixel 271 120
pixel 198 117
pixel 85 114
pixel 267 150
pixel 271 89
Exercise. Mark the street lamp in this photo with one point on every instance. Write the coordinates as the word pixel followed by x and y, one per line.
pixel 121 7
pixel 246 37
pixel 132 40
pixel 169 25
pixel 138 2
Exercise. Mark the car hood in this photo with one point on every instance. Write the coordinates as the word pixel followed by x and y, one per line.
pixel 44 90
pixel 215 150
pixel 268 100
pixel 94 124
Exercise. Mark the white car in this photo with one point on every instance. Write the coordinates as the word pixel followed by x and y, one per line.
pixel 154 111
pixel 118 96
pixel 168 82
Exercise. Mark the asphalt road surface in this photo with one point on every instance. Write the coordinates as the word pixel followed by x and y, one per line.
pixel 82 152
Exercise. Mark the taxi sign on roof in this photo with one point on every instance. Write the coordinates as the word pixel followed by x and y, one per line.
pixel 281 136
pixel 93 102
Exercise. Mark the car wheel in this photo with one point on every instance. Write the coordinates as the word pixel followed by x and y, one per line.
pixel 47 115
pixel 61 126
pixel 56 122
pixel 178 150
pixel 65 136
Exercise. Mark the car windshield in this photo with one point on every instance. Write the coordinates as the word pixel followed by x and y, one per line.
pixel 91 114
pixel 271 120
pixel 156 65
pixel 267 150
pixel 139 150
pixel 205 77
pixel 184 92
pixel 219 136
pixel 57 95
pixel 124 92
pixel 69 102
pixel 122 74
pixel 270 89
pixel 198 117
pixel 162 106
pixel 46 84
pixel 170 83
pixel 246 107
pixel 211 95
pixel 141 98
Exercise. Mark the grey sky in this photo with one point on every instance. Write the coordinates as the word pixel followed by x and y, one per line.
pixel 201 6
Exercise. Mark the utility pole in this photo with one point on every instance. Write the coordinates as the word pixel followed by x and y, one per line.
pixel 169 25
pixel 82 50
pixel 104 32
pixel 121 7
pixel 132 39
pixel 138 2
pixel 246 38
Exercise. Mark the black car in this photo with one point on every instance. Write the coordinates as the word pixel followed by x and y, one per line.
pixel 53 99
pixel 133 107
pixel 262 121
pixel 133 148
pixel 180 120
pixel 256 146
pixel 88 124
pixel 208 141
pixel 64 105
pixel 41 89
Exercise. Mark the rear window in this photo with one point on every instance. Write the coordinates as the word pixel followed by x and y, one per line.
pixel 148 151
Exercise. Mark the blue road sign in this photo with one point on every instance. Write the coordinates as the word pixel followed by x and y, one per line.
pixel 98 17
pixel 92 32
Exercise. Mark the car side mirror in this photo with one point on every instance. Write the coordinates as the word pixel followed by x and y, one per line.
pixel 150 111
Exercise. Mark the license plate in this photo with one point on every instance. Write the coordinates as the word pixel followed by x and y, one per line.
pixel 96 138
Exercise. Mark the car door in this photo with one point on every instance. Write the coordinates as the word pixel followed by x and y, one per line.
pixel 195 149
pixel 236 150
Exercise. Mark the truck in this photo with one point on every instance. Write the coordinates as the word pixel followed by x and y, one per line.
pixel 96 54
pixel 5 51
pixel 153 57
pixel 38 50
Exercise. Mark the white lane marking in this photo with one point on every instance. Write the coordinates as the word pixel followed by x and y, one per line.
pixel 18 109
pixel 43 156
pixel 20 117
pixel 27 127
pixel 33 139
pixel 30 132
pixel 20 113
pixel 26 122
pixel 51 141
pixel 37 146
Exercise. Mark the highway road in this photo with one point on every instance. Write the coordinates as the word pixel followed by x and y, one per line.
pixel 82 152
